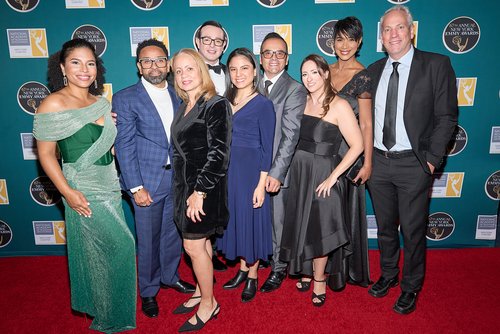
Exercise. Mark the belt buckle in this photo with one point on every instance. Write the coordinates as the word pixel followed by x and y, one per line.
pixel 386 154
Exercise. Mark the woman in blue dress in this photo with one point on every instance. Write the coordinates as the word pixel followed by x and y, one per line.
pixel 249 232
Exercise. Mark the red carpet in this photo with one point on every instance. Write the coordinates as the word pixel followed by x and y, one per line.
pixel 461 295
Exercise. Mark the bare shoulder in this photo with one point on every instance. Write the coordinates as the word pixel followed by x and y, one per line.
pixel 340 104
pixel 52 103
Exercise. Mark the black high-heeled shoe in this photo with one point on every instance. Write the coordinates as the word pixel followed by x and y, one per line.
pixel 233 283
pixel 181 309
pixel 250 290
pixel 304 285
pixel 321 297
pixel 189 327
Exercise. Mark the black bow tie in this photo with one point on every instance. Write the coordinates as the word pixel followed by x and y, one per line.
pixel 216 68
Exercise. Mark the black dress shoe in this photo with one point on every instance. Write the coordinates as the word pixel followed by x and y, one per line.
pixel 150 307
pixel 382 286
pixel 189 327
pixel 181 286
pixel 218 264
pixel 181 309
pixel 233 283
pixel 250 290
pixel 406 303
pixel 273 282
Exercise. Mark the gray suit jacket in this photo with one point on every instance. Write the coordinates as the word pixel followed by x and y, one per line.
pixel 289 99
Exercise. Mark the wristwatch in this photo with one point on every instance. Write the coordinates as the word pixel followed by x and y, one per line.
pixel 202 194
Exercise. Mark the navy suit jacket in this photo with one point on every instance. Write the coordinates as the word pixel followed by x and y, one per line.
pixel 141 145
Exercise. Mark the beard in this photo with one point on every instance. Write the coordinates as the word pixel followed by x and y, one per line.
pixel 155 78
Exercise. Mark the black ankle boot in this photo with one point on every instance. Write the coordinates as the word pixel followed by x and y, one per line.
pixel 233 283
pixel 250 290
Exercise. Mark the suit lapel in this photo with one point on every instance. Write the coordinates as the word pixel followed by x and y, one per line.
pixel 149 106
pixel 279 86
pixel 413 77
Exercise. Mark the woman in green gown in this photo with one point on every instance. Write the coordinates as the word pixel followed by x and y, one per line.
pixel 101 249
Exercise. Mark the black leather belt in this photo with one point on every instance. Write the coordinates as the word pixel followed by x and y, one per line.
pixel 167 167
pixel 395 154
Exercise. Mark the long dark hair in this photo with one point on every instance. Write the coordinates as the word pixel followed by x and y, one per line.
pixel 55 75
pixel 323 68
pixel 230 89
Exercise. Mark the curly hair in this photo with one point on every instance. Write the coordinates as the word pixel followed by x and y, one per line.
pixel 55 75
pixel 323 67
pixel 150 42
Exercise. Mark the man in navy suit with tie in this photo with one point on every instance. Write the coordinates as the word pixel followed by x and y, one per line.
pixel 144 115
pixel 415 114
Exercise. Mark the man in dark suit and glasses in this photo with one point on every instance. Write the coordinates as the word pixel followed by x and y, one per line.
pixel 415 113
pixel 289 100
pixel 144 114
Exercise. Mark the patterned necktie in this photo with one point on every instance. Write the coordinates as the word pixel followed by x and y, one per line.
pixel 391 107
pixel 216 68
pixel 267 83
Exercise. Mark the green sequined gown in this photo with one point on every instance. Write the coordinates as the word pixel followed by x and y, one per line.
pixel 101 249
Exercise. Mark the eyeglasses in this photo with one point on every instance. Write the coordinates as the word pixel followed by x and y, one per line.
pixel 268 54
pixel 160 62
pixel 207 41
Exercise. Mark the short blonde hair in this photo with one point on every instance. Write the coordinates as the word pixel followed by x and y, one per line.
pixel 207 86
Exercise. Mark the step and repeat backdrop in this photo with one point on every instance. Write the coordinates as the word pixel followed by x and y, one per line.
pixel 466 192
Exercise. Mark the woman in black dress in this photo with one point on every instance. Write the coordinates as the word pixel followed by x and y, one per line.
pixel 351 80
pixel 201 133
pixel 314 232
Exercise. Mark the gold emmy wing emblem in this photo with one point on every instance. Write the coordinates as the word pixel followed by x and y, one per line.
pixel 39 41
pixel 4 196
pixel 59 232
pixel 454 184
pixel 32 103
pixel 24 4
pixel 457 40
pixel 160 34
pixel 46 197
pixel 285 31
pixel 96 3
pixel 496 190
pixel 436 233
pixel 147 3
pixel 108 92
pixel 466 91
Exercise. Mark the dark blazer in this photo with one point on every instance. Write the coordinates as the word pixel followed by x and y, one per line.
pixel 142 146
pixel 430 110
pixel 201 142
pixel 289 100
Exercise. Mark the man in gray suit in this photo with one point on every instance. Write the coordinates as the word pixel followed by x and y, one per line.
pixel 289 99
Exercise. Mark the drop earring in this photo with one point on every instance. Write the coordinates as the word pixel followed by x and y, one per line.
pixel 65 80
pixel 95 84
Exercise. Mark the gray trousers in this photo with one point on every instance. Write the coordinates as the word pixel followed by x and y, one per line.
pixel 278 212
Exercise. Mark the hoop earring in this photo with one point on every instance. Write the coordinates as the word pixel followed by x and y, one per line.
pixel 65 80
pixel 95 84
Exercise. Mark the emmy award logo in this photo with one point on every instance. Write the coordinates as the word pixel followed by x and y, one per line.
pixel 100 3
pixel 455 180
pixel 148 4
pixel 3 199
pixel 159 34
pixel 59 227
pixel 24 4
pixel 46 197
pixel 32 103
pixel 496 190
pixel 436 233
pixel 466 90
pixel 272 2
pixel 38 39
pixel 457 40
pixel 330 43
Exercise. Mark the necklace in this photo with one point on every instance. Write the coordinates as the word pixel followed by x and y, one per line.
pixel 242 100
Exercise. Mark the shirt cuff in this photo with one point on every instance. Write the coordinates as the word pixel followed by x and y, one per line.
pixel 136 189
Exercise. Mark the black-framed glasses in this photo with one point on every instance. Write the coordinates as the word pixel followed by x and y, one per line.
pixel 268 54
pixel 207 41
pixel 161 62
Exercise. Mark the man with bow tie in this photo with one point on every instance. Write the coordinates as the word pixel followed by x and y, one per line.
pixel 211 41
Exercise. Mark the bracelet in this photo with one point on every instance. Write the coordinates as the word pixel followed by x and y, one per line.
pixel 202 194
